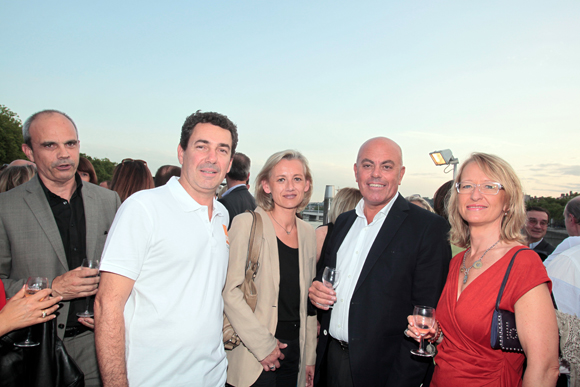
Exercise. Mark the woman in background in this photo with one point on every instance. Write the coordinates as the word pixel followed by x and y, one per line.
pixel 87 171
pixel 417 200
pixel 287 262
pixel 15 175
pixel 131 176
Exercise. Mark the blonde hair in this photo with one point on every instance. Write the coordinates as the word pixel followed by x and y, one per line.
pixel 345 200
pixel 512 223
pixel 422 202
pixel 263 199
pixel 15 175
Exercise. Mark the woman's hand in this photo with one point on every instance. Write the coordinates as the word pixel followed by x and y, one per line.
pixel 309 375
pixel 20 311
pixel 413 332
pixel 270 362
pixel 88 322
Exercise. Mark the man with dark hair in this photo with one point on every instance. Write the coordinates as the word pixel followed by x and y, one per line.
pixel 391 255
pixel 50 224
pixel 159 310
pixel 237 199
pixel 166 172
pixel 536 228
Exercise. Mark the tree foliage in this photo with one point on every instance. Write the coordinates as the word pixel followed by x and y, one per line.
pixel 555 206
pixel 10 136
pixel 103 167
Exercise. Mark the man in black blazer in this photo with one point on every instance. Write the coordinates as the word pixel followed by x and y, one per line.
pixel 391 256
pixel 237 199
pixel 536 229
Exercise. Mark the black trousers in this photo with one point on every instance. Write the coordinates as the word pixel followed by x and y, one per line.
pixel 338 365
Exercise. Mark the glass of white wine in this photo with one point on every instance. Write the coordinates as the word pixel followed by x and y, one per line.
pixel 330 278
pixel 424 319
pixel 89 264
pixel 33 286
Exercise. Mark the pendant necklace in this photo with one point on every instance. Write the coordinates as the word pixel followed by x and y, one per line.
pixel 477 264
pixel 287 232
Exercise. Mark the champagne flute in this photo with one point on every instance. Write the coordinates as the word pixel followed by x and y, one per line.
pixel 33 286
pixel 89 264
pixel 424 319
pixel 330 279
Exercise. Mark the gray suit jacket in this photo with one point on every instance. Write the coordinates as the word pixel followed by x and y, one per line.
pixel 30 243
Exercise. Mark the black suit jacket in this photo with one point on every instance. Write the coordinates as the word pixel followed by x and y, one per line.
pixel 407 265
pixel 238 201
pixel 544 249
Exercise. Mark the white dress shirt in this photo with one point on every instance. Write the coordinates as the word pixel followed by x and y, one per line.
pixel 350 260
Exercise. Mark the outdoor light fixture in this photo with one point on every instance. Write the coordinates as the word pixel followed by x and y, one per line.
pixel 445 157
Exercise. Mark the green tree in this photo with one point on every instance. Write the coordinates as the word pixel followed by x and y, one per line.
pixel 103 167
pixel 10 136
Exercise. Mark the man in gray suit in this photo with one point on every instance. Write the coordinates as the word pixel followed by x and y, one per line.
pixel 50 224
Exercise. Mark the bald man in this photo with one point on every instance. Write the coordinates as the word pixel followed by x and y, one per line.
pixel 391 255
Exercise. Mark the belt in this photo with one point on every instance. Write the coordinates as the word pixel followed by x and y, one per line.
pixel 343 344
pixel 75 331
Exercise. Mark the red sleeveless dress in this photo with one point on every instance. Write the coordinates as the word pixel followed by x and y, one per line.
pixel 465 356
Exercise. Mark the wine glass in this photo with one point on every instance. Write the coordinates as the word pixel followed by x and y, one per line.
pixel 424 319
pixel 330 279
pixel 89 264
pixel 33 286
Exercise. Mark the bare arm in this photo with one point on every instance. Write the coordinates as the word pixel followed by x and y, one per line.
pixel 21 311
pixel 110 328
pixel 320 237
pixel 538 333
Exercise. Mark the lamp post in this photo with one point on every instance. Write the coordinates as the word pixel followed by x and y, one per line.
pixel 445 157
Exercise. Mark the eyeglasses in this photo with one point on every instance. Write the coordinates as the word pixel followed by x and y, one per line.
pixel 487 188
pixel 133 161
pixel 542 223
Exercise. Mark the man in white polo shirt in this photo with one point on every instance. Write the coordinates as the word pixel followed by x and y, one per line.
pixel 159 307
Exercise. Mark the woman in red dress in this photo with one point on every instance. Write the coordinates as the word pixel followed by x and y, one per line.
pixel 486 212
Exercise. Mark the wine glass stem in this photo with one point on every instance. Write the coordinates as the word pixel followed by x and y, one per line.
pixel 421 344
pixel 87 305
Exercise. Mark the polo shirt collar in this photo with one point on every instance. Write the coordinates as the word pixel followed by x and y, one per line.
pixel 185 201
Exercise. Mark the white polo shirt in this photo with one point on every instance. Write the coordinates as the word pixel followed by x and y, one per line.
pixel 164 241
pixel 350 259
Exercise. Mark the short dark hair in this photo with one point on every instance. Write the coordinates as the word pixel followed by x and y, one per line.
pixel 166 172
pixel 441 198
pixel 213 118
pixel 539 209
pixel 240 169
pixel 30 120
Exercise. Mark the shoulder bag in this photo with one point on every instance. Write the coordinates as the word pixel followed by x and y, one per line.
pixel 230 337
pixel 504 334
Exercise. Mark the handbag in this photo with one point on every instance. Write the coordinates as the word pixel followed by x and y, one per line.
pixel 248 287
pixel 504 333
pixel 46 365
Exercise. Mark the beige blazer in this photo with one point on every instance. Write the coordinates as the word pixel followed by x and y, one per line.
pixel 256 330
pixel 30 243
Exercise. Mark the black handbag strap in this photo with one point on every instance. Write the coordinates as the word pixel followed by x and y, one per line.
pixel 505 278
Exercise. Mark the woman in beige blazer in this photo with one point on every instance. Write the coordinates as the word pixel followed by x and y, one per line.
pixel 279 339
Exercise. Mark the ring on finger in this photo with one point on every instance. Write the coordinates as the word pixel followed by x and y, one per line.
pixel 406 333
pixel 272 368
pixel 43 313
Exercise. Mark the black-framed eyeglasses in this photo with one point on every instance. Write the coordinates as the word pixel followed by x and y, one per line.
pixel 486 188
pixel 133 161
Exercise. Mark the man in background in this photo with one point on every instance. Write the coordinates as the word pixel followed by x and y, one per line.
pixel 537 222
pixel 237 199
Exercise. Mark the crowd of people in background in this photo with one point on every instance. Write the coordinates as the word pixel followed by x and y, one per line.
pixel 174 254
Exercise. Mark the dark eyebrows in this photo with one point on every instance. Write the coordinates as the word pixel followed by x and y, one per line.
pixel 220 145
pixel 47 143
